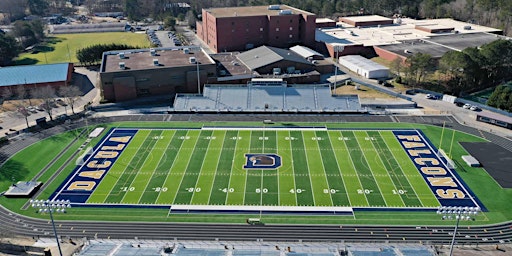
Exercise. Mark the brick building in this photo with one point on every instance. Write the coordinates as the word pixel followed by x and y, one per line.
pixel 126 75
pixel 243 28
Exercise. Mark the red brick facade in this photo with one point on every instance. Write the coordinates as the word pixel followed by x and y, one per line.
pixel 238 32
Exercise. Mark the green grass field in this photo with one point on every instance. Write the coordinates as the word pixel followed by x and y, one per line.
pixel 319 168
pixel 27 163
pixel 62 48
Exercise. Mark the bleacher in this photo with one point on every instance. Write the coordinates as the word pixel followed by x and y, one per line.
pixel 291 98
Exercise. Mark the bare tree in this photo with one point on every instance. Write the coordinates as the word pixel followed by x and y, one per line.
pixel 47 95
pixel 71 94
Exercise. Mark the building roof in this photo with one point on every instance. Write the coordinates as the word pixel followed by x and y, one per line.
pixel 367 18
pixel 362 62
pixel 304 51
pixel 141 59
pixel 224 12
pixel 34 74
pixel 410 47
pixel 463 41
pixel 403 29
pixel 266 55
pixel 324 20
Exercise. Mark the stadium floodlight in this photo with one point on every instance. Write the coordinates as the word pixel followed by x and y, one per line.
pixel 459 213
pixel 50 206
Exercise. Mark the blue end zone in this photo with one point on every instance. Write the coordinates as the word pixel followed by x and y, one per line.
pixel 84 178
pixel 444 183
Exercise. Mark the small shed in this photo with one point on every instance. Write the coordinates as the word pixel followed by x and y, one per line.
pixel 364 67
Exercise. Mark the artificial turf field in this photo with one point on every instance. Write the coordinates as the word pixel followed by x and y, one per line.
pixel 311 166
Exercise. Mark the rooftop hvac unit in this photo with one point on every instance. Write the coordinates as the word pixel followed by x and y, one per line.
pixel 285 12
pixel 186 50
pixel 274 7
pixel 152 51
pixel 192 60
pixel 155 62
pixel 122 65
pixel 121 55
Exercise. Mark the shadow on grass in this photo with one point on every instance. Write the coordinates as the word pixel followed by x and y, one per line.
pixel 53 40
pixel 26 61
pixel 43 48
pixel 13 171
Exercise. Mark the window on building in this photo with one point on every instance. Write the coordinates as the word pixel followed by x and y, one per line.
pixel 261 29
pixel 291 36
pixel 232 23
pixel 277 37
pixel 291 28
pixel 277 29
pixel 291 21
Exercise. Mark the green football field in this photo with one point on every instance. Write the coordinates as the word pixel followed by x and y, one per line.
pixel 354 168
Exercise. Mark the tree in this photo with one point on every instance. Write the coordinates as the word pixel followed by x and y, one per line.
pixel 28 32
pixel 418 65
pixel 9 49
pixel 501 97
pixel 47 95
pixel 71 94
pixel 132 9
pixel 37 7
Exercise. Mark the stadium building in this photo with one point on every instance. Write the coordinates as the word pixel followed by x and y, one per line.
pixel 243 28
pixel 33 76
pixel 126 75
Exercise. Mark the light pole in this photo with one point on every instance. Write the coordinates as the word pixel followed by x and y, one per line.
pixel 59 206
pixel 459 213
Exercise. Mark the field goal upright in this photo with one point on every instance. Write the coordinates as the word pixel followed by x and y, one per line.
pixel 81 159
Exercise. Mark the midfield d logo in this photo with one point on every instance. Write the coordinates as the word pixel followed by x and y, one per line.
pixel 262 161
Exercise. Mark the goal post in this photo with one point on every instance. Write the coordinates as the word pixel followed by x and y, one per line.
pixel 81 159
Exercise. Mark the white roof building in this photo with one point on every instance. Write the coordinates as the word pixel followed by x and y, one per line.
pixel 364 67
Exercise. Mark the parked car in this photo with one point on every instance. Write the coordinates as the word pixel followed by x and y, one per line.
pixel 474 108
pixel 458 104
pixel 466 106
pixel 431 96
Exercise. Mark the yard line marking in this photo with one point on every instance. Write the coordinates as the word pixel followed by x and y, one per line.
pixel 126 167
pixel 355 169
pixel 323 166
pixel 216 165
pixel 148 158
pixel 307 166
pixel 161 157
pixel 382 161
pixel 339 169
pixel 232 168
pixel 169 173
pixel 293 171
pixel 373 176
pixel 184 173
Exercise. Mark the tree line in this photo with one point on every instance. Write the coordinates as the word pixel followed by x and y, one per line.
pixel 458 72
pixel 92 55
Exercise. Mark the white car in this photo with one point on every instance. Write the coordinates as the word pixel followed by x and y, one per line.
pixel 473 108
pixel 466 106
pixel 431 97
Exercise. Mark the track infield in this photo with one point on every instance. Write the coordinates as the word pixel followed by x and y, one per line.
pixel 275 169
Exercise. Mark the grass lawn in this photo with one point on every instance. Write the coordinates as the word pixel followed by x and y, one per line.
pixel 198 145
pixel 58 48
